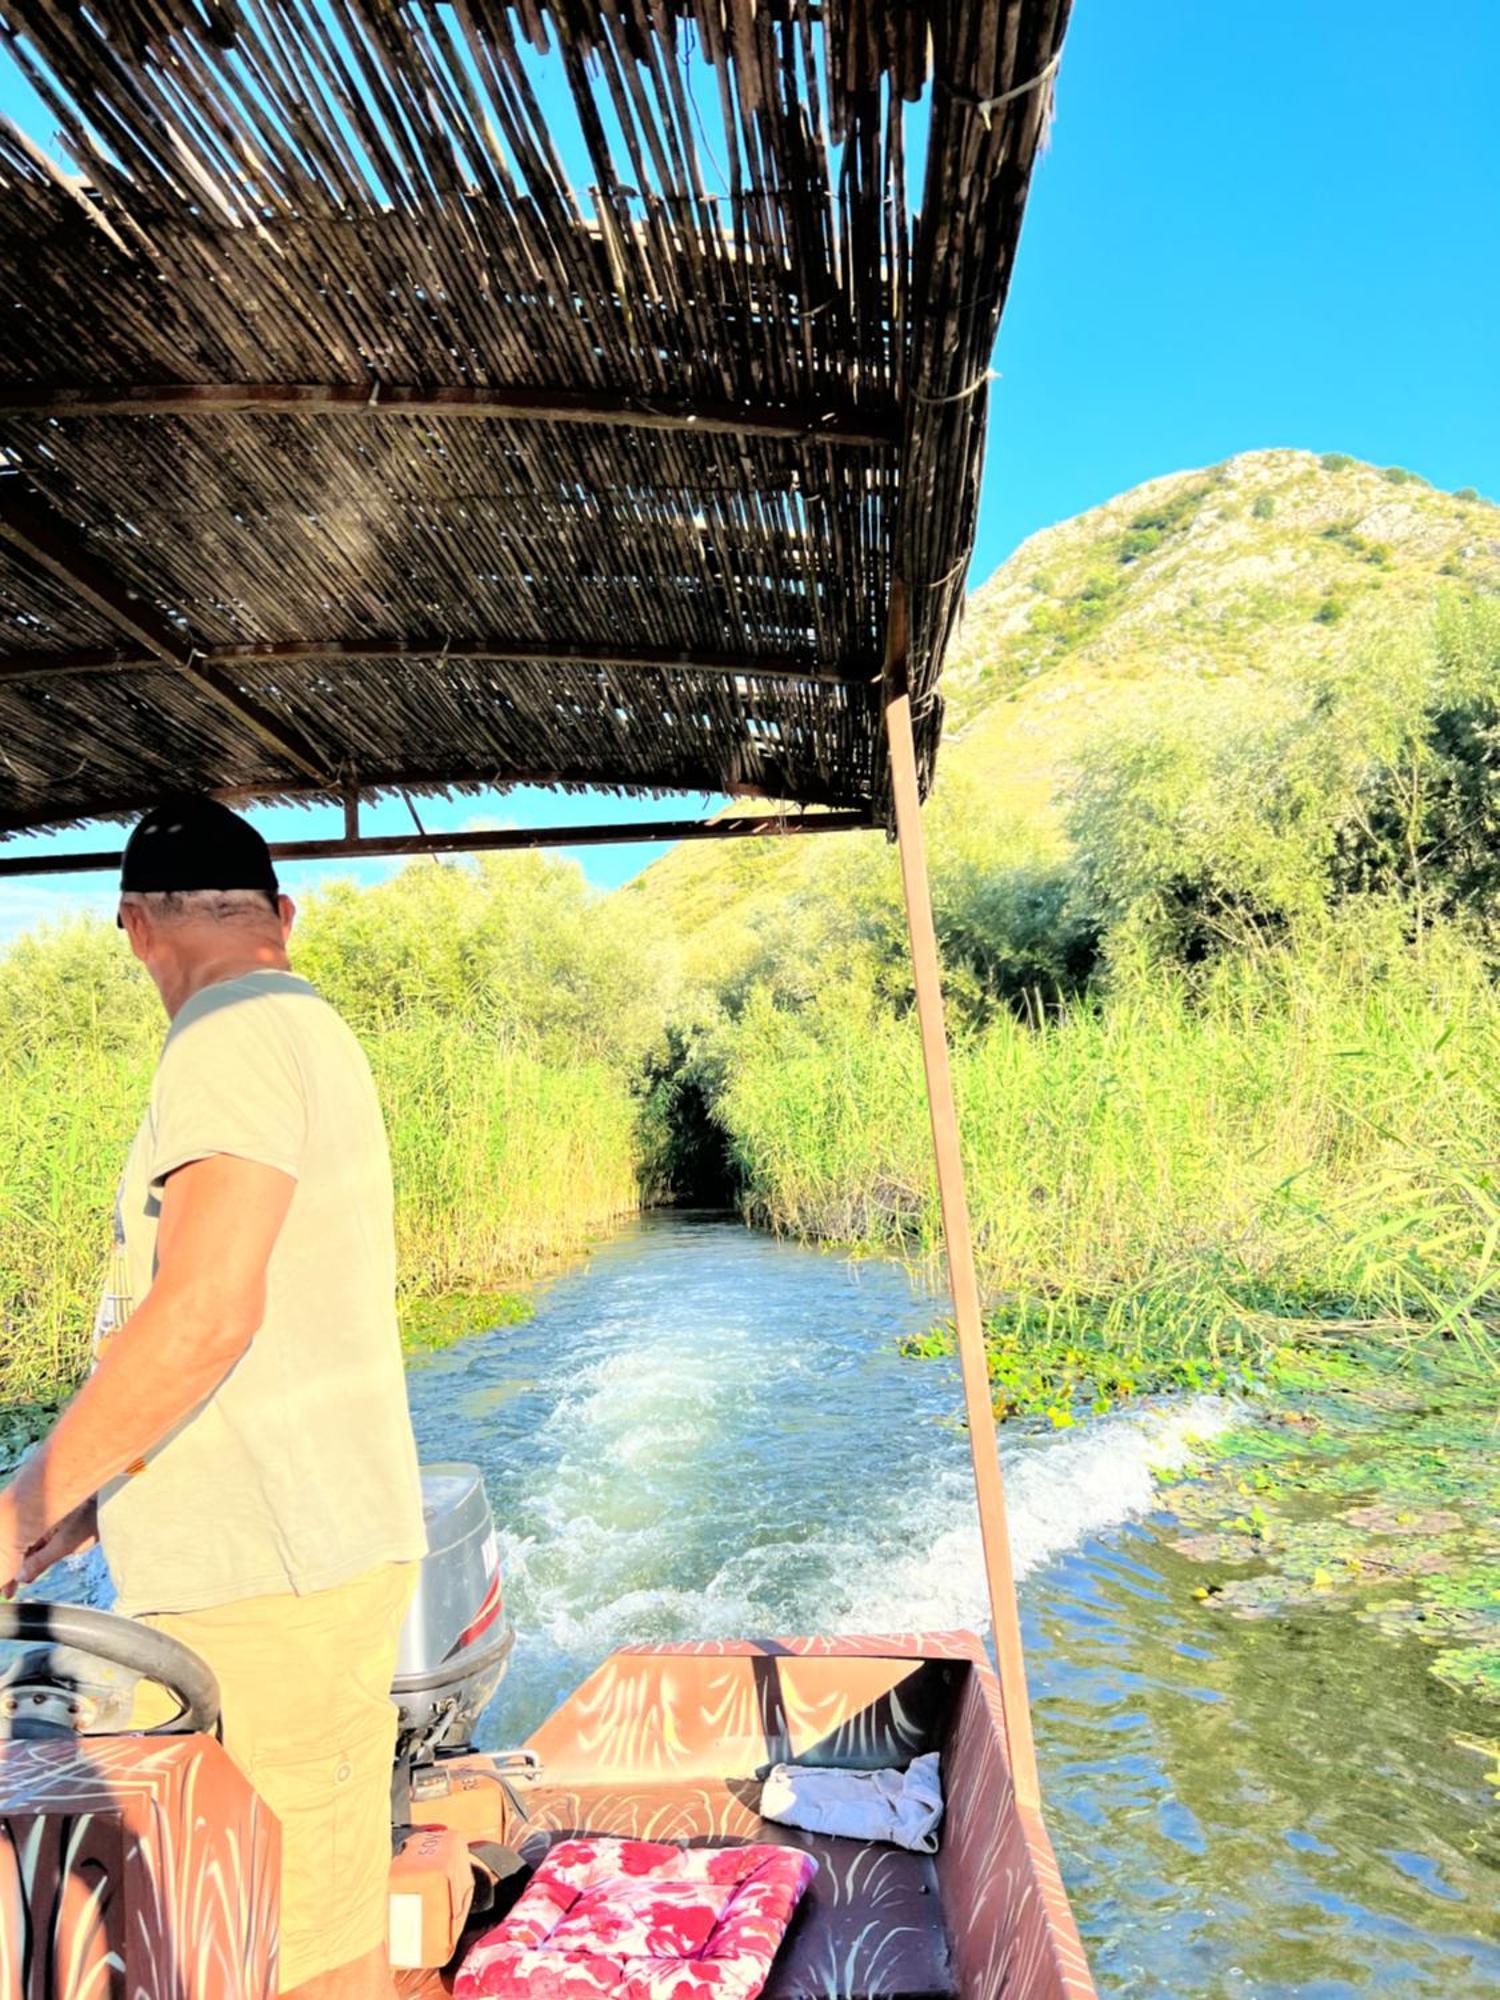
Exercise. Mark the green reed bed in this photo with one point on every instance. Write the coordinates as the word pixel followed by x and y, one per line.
pixel 505 1018
pixel 79 1031
pixel 503 1163
pixel 1173 1180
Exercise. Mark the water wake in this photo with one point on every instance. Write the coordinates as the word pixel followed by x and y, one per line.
pixel 706 1434
pixel 691 1473
pixel 585 1585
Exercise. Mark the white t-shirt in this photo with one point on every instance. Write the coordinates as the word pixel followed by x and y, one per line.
pixel 300 1471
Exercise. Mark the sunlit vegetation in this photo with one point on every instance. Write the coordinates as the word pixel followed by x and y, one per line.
pixel 1227 1059
pixel 1215 874
pixel 506 1013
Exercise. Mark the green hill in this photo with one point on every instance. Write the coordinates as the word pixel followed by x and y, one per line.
pixel 1223 585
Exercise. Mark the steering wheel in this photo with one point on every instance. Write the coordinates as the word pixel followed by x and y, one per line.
pixel 51 1692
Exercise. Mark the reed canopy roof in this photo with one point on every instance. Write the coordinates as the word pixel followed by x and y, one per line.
pixel 437 394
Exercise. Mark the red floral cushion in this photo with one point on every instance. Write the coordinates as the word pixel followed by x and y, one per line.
pixel 641 1920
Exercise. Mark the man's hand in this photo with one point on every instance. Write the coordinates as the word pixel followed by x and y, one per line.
pixel 12 1558
pixel 79 1531
pixel 70 1537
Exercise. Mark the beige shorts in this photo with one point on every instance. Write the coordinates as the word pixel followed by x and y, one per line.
pixel 305 1684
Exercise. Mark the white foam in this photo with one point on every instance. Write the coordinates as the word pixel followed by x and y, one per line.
pixel 582 1586
pixel 1060 1491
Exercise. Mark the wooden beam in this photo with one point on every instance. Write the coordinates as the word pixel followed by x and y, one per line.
pixel 426 782
pixel 27 523
pixel 984 1445
pixel 44 666
pixel 851 427
pixel 396 847
pixel 409 778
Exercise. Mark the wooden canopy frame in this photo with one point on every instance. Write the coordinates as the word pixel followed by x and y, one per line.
pixel 654 500
pixel 346 447
pixel 352 845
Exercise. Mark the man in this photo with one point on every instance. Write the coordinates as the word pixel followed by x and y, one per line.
pixel 243 1445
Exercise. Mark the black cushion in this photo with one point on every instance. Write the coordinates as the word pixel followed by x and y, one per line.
pixel 870 1926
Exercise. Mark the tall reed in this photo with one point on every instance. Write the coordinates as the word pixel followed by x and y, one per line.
pixel 1304 1135
pixel 505 1017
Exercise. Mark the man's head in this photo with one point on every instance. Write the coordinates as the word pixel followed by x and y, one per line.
pixel 199 899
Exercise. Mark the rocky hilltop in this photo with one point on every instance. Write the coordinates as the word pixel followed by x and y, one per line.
pixel 1227 576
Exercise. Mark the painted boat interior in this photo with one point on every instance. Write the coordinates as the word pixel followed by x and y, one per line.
pixel 152 1857
pixel 673 1744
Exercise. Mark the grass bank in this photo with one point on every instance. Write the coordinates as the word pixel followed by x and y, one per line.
pixel 506 1019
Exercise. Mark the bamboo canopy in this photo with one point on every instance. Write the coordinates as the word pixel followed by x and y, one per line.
pixel 346 445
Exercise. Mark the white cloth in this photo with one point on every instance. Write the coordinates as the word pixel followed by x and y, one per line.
pixel 903 1807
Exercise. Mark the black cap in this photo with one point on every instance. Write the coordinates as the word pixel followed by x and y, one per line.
pixel 193 842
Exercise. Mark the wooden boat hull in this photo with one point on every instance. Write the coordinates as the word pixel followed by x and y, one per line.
pixel 121 1856
pixel 134 1868
pixel 668 1743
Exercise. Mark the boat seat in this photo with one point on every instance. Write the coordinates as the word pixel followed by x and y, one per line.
pixel 869 1927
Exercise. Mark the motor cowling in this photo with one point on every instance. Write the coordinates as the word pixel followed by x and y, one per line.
pixel 456 1642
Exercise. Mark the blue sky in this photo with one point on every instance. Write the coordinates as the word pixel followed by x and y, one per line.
pixel 1256 225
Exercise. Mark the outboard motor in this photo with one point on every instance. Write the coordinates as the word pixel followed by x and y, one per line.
pixel 456 1643
pixel 448 1807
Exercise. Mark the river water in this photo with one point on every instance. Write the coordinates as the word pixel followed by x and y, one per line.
pixel 705 1432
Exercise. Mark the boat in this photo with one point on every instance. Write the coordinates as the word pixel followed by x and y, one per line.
pixel 350 453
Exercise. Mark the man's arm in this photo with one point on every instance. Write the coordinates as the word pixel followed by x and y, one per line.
pixel 220 1218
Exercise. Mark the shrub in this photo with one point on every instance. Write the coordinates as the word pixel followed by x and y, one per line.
pixel 1071 621
pixel 1152 526
pixel 1330 611
pixel 1167 516
pixel 1426 824
pixel 1335 461
pixel 1262 507
pixel 1345 535
pixel 1466 493
pixel 1138 542
pixel 1202 822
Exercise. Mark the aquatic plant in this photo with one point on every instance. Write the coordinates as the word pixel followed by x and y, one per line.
pixel 1364 1491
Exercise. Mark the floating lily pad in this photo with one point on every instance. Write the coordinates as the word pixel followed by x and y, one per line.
pixel 1476 1669
pixel 1362 1494
pixel 1260 1596
pixel 1214 1548
pixel 1383 1518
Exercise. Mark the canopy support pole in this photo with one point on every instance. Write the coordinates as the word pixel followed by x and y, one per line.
pixel 979 1409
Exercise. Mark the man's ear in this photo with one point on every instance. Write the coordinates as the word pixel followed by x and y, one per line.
pixel 137 927
pixel 286 909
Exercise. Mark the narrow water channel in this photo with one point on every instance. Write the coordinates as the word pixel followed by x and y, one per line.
pixel 705 1432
